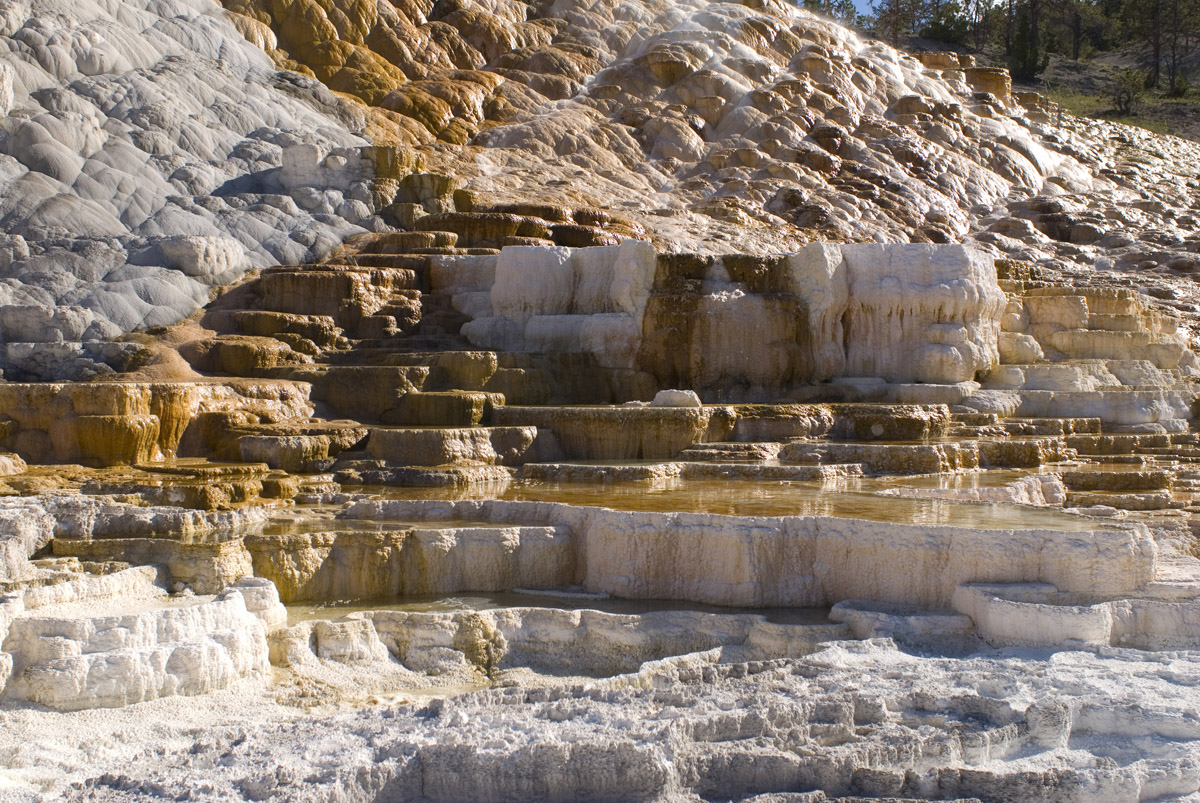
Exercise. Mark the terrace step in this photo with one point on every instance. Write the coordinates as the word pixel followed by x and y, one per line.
pixel 684 470
pixel 931 458
pixel 379 472
pixel 450 408
pixel 1150 500
pixel 729 452
pixel 1116 444
pixel 1120 481
pixel 509 446
pixel 1051 426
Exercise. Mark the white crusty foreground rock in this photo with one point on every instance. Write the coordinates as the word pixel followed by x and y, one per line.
pixel 78 645
pixel 855 719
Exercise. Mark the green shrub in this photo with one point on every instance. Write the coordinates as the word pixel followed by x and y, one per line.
pixel 1130 86
pixel 1182 87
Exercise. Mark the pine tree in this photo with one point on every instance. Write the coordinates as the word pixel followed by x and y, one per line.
pixel 1025 59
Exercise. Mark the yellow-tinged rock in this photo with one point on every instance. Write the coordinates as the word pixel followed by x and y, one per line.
pixel 327 57
pixel 302 23
pixel 107 439
pixel 254 9
pixel 257 32
pixel 367 76
pixel 352 19
pixel 416 101
pixel 120 423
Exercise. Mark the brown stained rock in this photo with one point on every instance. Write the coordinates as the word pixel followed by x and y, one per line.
pixel 106 439
pixel 527 241
pixel 992 80
pixel 576 236
pixel 940 60
pixel 192 494
pixel 426 189
pixel 472 227
pixel 757 274
pixel 241 355
pixel 888 458
pixel 128 423
pixel 1024 452
pixel 890 422
pixel 399 242
pixel 318 330
pixel 455 408
pixel 669 64
pixel 546 212
pixel 361 392
pixel 623 433
pixel 280 486
pixel 508 446
pixel 344 293
pixel 1134 480
pixel 293 453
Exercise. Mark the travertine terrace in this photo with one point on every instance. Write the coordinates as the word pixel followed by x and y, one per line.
pixel 472 401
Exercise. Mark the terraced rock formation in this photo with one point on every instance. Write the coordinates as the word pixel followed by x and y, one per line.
pixel 1032 488
pixel 624 400
pixel 741 127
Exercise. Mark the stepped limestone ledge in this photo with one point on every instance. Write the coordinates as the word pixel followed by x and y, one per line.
pixel 800 560
pixel 102 529
pixel 142 162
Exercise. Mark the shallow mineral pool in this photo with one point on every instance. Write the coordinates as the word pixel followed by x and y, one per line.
pixel 855 499
pixel 339 609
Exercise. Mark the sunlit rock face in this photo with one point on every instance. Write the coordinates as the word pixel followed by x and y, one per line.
pixel 72 648
pixel 130 423
pixel 140 165
pixel 905 313
pixel 725 127
pixel 154 151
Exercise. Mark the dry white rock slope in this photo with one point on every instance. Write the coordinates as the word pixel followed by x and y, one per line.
pixel 140 165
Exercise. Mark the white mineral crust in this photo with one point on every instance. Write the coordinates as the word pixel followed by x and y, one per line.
pixel 855 718
pixel 140 161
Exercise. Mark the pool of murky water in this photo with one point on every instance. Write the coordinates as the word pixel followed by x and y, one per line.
pixel 856 498
pixel 562 600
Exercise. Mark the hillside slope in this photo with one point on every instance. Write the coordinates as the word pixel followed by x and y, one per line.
pixel 137 127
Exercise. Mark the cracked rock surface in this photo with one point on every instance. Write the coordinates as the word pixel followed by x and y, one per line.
pixel 855 719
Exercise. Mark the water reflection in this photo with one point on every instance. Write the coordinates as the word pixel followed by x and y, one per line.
pixel 852 498
pixel 487 601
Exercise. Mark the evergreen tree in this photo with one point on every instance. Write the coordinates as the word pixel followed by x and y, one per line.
pixel 1167 30
pixel 840 10
pixel 1025 59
